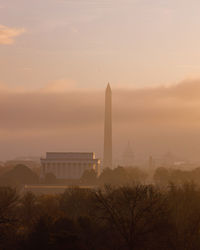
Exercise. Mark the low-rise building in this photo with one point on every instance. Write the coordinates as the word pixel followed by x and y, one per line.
pixel 69 165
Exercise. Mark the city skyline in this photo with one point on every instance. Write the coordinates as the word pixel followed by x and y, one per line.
pixel 99 124
pixel 58 55
pixel 155 119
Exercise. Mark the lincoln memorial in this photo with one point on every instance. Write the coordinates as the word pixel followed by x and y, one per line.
pixel 68 165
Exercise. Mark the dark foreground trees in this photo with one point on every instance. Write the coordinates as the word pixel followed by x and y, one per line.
pixel 136 215
pixel 140 217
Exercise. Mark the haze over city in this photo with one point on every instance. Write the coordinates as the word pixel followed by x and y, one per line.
pixel 154 120
pixel 99 124
pixel 58 55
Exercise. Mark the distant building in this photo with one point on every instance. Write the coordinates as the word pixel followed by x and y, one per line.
pixel 70 165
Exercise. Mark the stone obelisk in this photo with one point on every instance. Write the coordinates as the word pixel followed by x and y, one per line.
pixel 107 161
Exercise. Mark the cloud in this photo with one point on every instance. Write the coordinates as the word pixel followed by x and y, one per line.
pixel 179 104
pixel 62 117
pixel 8 35
pixel 59 86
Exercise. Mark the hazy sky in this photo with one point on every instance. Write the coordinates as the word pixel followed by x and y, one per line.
pixel 154 120
pixel 91 42
pixel 58 55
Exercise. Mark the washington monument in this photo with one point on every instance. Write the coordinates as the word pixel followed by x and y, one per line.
pixel 107 161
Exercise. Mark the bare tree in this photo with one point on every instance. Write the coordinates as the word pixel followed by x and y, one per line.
pixel 134 213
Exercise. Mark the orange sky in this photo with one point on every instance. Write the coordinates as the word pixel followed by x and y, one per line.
pixel 58 55
pixel 154 120
pixel 90 42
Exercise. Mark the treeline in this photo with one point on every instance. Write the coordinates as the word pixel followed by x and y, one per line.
pixel 20 175
pixel 160 176
pixel 116 176
pixel 163 176
pixel 138 217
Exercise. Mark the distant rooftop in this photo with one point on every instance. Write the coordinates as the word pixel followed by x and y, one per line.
pixel 70 155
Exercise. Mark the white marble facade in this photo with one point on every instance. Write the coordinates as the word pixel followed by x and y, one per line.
pixel 70 165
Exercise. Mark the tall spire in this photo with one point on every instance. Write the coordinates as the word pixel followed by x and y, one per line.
pixel 107 162
pixel 108 87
